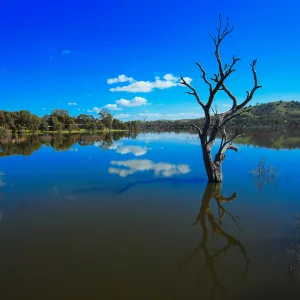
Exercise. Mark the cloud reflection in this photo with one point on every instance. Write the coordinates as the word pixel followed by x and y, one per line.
pixel 2 183
pixel 181 137
pixel 135 150
pixel 123 149
pixel 139 165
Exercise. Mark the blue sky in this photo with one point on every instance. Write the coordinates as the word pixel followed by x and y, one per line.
pixel 84 55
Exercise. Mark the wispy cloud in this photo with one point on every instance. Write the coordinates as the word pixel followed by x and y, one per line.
pixel 72 103
pixel 112 107
pixel 170 116
pixel 122 116
pixel 2 183
pixel 66 52
pixel 95 109
pixel 139 165
pixel 171 137
pixel 135 86
pixel 120 78
pixel 44 108
pixel 147 114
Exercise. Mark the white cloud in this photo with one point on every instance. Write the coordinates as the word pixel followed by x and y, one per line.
pixel 120 116
pixel 135 165
pixel 170 77
pixel 188 80
pixel 135 102
pixel 135 150
pixel 120 78
pixel 112 107
pixel 135 86
pixel 172 116
pixel 89 111
pixel 44 108
pixel 72 103
pixel 95 109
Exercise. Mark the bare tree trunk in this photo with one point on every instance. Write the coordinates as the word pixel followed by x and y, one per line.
pixel 213 169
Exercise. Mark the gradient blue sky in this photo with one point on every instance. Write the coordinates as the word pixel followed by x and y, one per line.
pixel 57 53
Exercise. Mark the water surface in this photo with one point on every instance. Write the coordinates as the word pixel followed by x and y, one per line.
pixel 132 217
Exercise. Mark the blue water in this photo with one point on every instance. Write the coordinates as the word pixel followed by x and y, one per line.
pixel 83 219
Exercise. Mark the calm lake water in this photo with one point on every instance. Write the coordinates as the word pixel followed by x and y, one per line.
pixel 132 217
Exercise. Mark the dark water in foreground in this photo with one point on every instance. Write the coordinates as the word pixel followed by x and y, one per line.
pixel 133 218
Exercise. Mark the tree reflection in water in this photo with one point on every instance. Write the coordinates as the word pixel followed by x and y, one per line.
pixel 26 145
pixel 208 221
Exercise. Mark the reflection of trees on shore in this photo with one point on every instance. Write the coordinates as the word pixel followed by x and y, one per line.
pixel 63 141
pixel 208 222
pixel 275 139
pixel 27 144
pixel 20 146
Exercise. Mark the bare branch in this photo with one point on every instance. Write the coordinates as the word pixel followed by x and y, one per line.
pixel 237 134
pixel 214 39
pixel 199 130
pixel 204 76
pixel 192 93
pixel 220 78
pixel 230 95
pixel 234 115
pixel 221 34
pixel 256 86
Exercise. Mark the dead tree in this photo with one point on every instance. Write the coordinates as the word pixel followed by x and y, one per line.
pixel 216 123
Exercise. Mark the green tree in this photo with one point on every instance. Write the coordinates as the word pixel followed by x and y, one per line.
pixel 2 118
pixel 70 124
pixel 34 124
pixel 106 118
pixel 44 125
pixel 55 123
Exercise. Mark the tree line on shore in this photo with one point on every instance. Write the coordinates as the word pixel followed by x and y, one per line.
pixel 278 113
pixel 59 120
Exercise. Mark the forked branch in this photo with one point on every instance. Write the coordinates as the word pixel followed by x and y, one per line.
pixel 194 92
pixel 256 86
